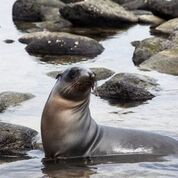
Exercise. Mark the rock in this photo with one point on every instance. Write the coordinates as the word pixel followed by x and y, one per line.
pixel 168 27
pixel 122 1
pixel 97 13
pixel 15 140
pixel 35 11
pixel 142 12
pixel 53 74
pixel 126 87
pixel 71 1
pixel 9 41
pixel 135 4
pixel 26 10
pixel 147 48
pixel 165 62
pixel 141 81
pixel 101 73
pixel 164 8
pixel 150 19
pixel 47 43
pixel 50 13
pixel 173 37
pixel 8 99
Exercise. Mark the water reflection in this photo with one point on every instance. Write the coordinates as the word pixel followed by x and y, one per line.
pixel 94 32
pixel 67 59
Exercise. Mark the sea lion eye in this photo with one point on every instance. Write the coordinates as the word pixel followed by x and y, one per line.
pixel 72 74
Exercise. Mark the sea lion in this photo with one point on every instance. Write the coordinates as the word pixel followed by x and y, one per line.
pixel 68 129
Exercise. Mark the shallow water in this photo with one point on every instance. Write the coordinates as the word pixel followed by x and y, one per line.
pixel 24 73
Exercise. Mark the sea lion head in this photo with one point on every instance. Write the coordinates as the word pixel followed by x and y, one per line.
pixel 75 83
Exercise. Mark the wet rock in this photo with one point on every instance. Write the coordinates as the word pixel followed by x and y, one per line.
pixel 47 43
pixel 164 8
pixel 165 62
pixel 97 13
pixel 9 41
pixel 9 98
pixel 141 81
pixel 126 87
pixel 168 27
pixel 35 11
pixel 26 10
pixel 147 48
pixel 101 73
pixel 15 140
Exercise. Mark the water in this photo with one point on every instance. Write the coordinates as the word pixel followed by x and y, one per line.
pixel 24 73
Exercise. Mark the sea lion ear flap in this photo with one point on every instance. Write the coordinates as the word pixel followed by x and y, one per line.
pixel 59 75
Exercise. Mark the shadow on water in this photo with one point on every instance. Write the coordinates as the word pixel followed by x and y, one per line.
pixel 70 168
pixel 77 167
pixel 124 104
pixel 94 32
pixel 8 159
pixel 67 59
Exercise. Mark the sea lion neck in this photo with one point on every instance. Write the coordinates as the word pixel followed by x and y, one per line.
pixel 64 103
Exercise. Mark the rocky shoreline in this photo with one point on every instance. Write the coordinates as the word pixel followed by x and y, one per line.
pixel 49 34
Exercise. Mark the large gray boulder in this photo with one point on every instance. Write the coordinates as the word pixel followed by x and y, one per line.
pixel 126 87
pixel 164 8
pixel 148 47
pixel 165 62
pixel 9 98
pixel 47 43
pixel 15 140
pixel 97 13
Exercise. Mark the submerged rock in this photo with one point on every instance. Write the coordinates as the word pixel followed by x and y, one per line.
pixel 52 26
pixel 164 8
pixel 15 139
pixel 126 87
pixel 165 62
pixel 168 27
pixel 147 48
pixel 9 41
pixel 101 73
pixel 9 98
pixel 47 43
pixel 97 13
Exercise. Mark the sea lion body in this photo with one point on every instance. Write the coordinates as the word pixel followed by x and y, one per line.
pixel 68 129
